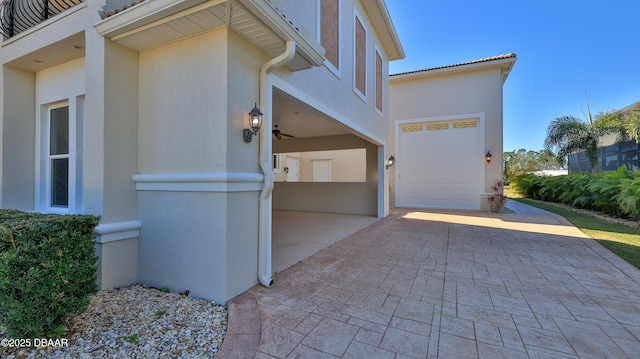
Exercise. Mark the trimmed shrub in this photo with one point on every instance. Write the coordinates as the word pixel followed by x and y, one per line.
pixel 47 271
pixel 527 185
pixel 605 187
pixel 615 193
pixel 575 191
pixel 628 199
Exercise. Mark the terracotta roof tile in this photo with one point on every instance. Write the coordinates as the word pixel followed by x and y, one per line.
pixel 486 59
pixel 105 15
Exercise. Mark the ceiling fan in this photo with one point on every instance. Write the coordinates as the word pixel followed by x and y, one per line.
pixel 279 133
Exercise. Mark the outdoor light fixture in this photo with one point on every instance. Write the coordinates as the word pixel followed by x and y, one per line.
pixel 488 156
pixel 390 161
pixel 255 122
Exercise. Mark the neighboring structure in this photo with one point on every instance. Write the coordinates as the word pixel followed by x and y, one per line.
pixel 135 112
pixel 611 154
pixel 444 123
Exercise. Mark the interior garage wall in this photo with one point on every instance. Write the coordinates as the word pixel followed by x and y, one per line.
pixel 332 197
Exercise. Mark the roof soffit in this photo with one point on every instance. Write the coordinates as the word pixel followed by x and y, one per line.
pixel 381 20
pixel 155 23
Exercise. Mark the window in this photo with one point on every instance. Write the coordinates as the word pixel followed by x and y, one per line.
pixel 378 81
pixel 59 156
pixel 360 68
pixel 330 33
pixel 59 170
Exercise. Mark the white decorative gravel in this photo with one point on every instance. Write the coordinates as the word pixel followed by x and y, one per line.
pixel 138 322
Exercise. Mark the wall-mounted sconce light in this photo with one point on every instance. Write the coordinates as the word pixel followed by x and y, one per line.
pixel 488 156
pixel 390 161
pixel 255 122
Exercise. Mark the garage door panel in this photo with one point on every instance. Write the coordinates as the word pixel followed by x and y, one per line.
pixel 441 168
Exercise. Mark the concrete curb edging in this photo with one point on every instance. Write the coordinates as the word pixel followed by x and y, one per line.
pixel 244 328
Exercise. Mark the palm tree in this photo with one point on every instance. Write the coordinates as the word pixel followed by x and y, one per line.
pixel 567 135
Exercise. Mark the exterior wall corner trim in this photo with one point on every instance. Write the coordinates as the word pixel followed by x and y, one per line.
pixel 200 182
pixel 118 231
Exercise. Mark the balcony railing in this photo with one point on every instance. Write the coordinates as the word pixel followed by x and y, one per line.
pixel 17 16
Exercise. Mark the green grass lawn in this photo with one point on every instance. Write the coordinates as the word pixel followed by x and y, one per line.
pixel 621 240
pixel 509 192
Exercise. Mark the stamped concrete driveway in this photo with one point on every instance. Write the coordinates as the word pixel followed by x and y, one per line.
pixel 447 284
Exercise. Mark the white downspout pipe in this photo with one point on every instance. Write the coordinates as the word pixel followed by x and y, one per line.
pixel 266 158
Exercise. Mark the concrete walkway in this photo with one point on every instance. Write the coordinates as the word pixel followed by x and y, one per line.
pixel 447 284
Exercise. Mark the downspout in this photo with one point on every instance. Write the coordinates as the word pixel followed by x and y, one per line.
pixel 264 220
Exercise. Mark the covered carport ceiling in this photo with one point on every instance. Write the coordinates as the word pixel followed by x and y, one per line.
pixel 296 118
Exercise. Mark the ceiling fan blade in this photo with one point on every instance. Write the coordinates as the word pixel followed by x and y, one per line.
pixel 284 134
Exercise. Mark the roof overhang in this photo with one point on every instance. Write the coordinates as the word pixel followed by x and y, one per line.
pixel 504 63
pixel 381 20
pixel 150 24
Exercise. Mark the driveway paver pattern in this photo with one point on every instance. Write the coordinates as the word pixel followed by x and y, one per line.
pixel 450 284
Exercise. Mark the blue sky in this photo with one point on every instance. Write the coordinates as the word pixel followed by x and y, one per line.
pixel 564 47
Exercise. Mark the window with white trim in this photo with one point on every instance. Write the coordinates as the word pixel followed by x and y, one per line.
pixel 59 175
pixel 360 58
pixel 58 157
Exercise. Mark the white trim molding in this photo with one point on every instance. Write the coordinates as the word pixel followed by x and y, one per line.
pixel 118 231
pixel 200 182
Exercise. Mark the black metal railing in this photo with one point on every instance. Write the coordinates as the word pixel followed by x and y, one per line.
pixel 17 16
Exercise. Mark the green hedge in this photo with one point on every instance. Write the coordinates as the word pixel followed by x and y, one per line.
pixel 613 192
pixel 47 271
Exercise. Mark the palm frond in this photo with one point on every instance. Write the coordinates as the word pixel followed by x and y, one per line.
pixel 632 124
pixel 562 130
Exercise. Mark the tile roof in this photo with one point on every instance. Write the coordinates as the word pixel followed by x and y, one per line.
pixel 486 59
pixel 109 13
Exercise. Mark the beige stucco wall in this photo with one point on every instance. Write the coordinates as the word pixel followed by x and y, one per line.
pixel 183 131
pixel 242 87
pixel 349 165
pixel 198 235
pixel 451 94
pixel 120 133
pixel 117 263
pixel 336 197
pixel 18 139
pixel 244 62
pixel 182 106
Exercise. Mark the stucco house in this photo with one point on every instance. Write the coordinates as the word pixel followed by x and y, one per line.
pixel 136 112
pixel 446 130
pixel 140 113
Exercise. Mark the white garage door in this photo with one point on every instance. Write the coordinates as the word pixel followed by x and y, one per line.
pixel 440 164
